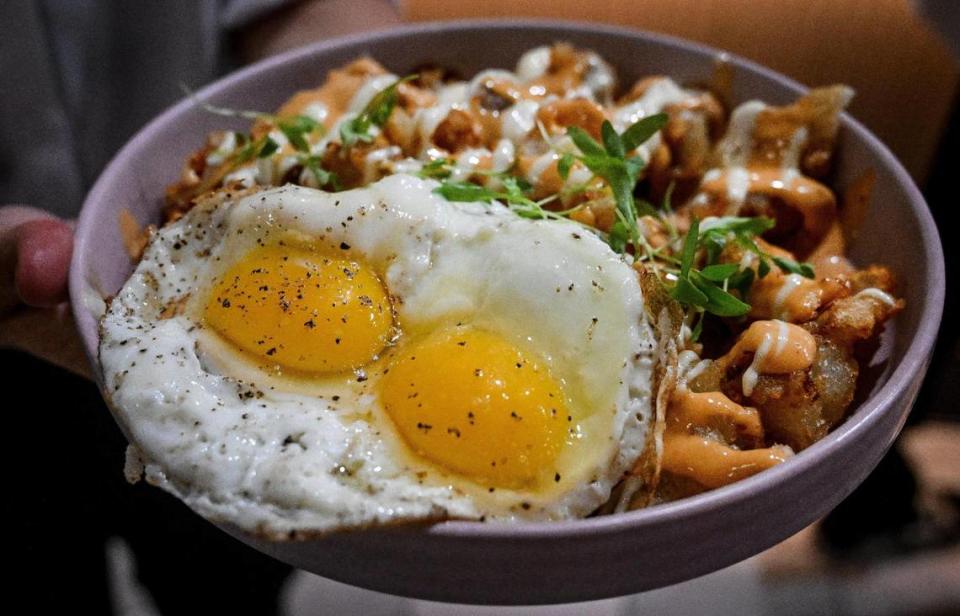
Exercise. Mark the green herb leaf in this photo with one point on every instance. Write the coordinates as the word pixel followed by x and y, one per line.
pixel 437 169
pixel 689 248
pixel 640 131
pixel 603 165
pixel 719 302
pixel 296 130
pixel 763 268
pixel 564 165
pixel 585 142
pixel 354 132
pixel 719 272
pixel 686 293
pixel 611 140
pixel 755 225
pixel 246 153
pixel 258 148
pixel 645 208
pixel 698 289
pixel 742 281
pixel 381 106
pixel 465 191
pixel 792 267
pixel 516 189
pixel 321 175
pixel 635 165
pixel 268 147
pixel 611 163
pixel 618 237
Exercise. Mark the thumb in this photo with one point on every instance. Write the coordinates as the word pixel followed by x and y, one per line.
pixel 35 252
pixel 44 248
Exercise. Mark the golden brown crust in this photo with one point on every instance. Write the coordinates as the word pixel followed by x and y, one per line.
pixel 694 126
pixel 818 114
pixel 559 115
pixel 666 315
pixel 458 131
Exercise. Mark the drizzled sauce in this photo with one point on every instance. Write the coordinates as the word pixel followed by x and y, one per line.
pixel 777 348
pixel 691 409
pixel 689 450
pixel 713 464
pixel 879 295
pixel 746 170
pixel 787 297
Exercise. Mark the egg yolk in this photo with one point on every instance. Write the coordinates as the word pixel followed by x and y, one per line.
pixel 476 405
pixel 302 310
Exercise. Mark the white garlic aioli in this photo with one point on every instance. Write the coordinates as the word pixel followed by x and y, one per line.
pixel 517 125
pixel 770 342
pixel 780 308
pixel 880 296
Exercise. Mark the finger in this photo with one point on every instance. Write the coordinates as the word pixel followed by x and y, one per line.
pixel 48 333
pixel 44 249
pixel 11 217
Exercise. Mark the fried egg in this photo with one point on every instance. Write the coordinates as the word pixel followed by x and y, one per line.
pixel 294 361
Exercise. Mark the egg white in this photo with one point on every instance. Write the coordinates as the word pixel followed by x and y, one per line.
pixel 274 456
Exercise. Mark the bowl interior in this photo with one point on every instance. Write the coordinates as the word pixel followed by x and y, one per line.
pixel 898 231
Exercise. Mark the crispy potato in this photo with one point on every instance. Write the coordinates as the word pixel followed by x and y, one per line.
pixel 818 114
pixel 557 115
pixel 458 131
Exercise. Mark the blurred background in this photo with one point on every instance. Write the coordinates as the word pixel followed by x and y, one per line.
pixel 80 77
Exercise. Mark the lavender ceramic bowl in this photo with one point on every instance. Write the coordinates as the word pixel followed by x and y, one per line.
pixel 583 559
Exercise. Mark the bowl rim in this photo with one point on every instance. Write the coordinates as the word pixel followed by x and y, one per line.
pixel 861 419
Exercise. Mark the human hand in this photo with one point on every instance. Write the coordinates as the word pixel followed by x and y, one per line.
pixel 35 251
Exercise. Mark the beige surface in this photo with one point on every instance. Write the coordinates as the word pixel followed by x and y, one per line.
pixel 933 450
pixel 302 23
pixel 903 73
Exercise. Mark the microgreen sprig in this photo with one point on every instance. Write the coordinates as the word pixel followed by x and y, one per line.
pixel 513 195
pixel 375 113
pixel 701 291
pixel 744 231
pixel 436 169
pixel 708 289
pixel 322 176
pixel 297 129
pixel 252 148
pixel 612 162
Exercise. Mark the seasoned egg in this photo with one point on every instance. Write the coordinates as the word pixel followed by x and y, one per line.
pixel 295 360
pixel 304 310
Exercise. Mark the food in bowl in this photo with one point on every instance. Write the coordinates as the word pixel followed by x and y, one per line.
pixel 410 299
